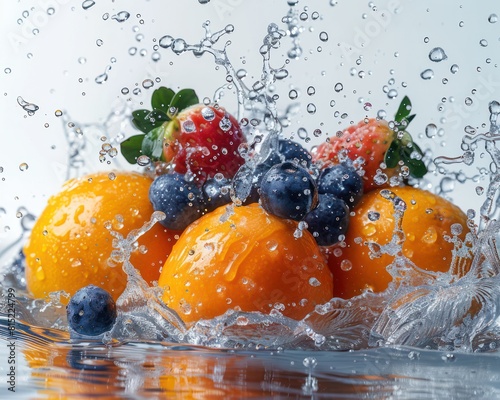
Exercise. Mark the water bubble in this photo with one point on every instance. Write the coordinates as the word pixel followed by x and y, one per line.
pixel 147 83
pixel 87 4
pixel 156 56
pixel 468 101
pixel 132 51
pixel 179 46
pixel 431 130
pixel 392 93
pixel 203 1
pixel 23 166
pixel 293 94
pixel 125 90
pixel 143 160
pixel 311 108
pixel 82 60
pixel 105 16
pixel 367 106
pixel 437 54
pixel 345 265
pixel 207 113
pixel 338 87
pixel 122 16
pixel 427 74
pixel 7 70
pixel 454 69
pixel 493 18
pixel 483 43
pixel 323 36
pixel 51 11
pixel 30 108
pixel 99 42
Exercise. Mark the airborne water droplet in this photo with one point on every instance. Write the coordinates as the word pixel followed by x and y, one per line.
pixel 87 4
pixel 437 54
pixel 427 74
pixel 493 18
pixel 122 16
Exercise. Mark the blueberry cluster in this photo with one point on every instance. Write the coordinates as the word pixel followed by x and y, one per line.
pixel 183 202
pixel 282 183
pixel 286 188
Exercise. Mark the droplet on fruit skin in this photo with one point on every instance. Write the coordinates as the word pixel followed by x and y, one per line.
pixel 430 236
pixel 40 273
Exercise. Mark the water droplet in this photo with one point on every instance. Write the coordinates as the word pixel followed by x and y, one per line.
pixel 427 74
pixel 225 124
pixel 125 90
pixel 483 43
pixel 207 113
pixel 323 36
pixel 431 130
pixel 122 16
pixel 7 70
pixel 468 101
pixel 454 69
pixel 437 54
pixel 87 4
pixel 188 126
pixel 392 93
pixel 179 46
pixel 143 160
pixel 51 11
pixel 345 265
pixel 493 18
pixel 147 84
pixel 311 108
pixel 99 42
pixel 293 94
pixel 28 107
pixel 373 216
pixel 338 87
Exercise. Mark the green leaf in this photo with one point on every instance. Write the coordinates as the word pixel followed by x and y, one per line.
pixel 403 110
pixel 184 98
pixel 152 144
pixel 392 155
pixel 161 99
pixel 140 120
pixel 417 167
pixel 131 148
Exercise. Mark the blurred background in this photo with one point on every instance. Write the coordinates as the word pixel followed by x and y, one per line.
pixel 71 71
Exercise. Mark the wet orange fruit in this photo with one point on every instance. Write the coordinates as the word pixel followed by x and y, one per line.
pixel 249 261
pixel 69 247
pixel 426 220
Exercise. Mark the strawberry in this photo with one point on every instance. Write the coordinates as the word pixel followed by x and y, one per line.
pixel 384 147
pixel 200 140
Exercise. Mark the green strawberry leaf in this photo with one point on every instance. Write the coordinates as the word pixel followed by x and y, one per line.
pixel 153 123
pixel 392 155
pixel 131 148
pixel 161 99
pixel 152 143
pixel 184 99
pixel 140 120
pixel 403 110
pixel 404 149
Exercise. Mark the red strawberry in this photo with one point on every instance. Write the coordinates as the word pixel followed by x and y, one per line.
pixel 193 138
pixel 381 148
pixel 203 140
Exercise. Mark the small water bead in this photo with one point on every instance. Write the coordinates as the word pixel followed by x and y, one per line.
pixel 122 16
pixel 483 43
pixel 30 108
pixel 137 91
pixel 437 54
pixel 311 108
pixel 125 91
pixel 345 265
pixel 311 90
pixel 493 18
pixel 143 160
pixel 293 94
pixel 338 87
pixel 392 93
pixel 147 83
pixel 7 70
pixel 23 166
pixel 461 24
pixel 87 4
pixel 427 74
pixel 99 42
pixel 431 130
pixel 105 16
pixel 51 11
pixel 132 51
pixel 179 46
pixel 479 190
pixel 323 36
pixel 454 69
pixel 468 101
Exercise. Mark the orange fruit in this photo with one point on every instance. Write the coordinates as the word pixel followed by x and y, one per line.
pixel 426 220
pixel 69 247
pixel 249 261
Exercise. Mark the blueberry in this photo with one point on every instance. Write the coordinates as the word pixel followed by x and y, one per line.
pixel 216 193
pixel 328 220
pixel 181 201
pixel 342 181
pixel 293 151
pixel 288 191
pixel 246 182
pixel 91 311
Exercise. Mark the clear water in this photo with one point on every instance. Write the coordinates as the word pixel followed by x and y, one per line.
pixel 302 70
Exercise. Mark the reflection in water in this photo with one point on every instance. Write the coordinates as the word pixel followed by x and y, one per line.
pixel 60 370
